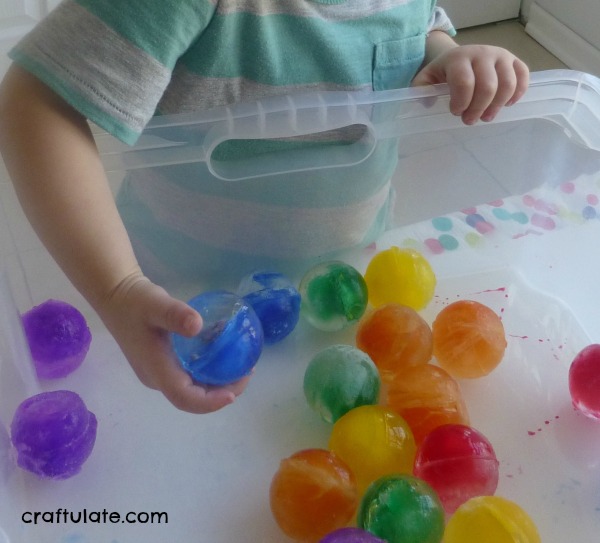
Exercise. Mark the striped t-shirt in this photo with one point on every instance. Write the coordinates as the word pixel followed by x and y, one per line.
pixel 120 62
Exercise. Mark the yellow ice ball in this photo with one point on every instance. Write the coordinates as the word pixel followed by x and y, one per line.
pixel 401 276
pixel 373 441
pixel 492 519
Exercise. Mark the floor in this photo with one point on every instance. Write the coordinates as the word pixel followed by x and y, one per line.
pixel 512 36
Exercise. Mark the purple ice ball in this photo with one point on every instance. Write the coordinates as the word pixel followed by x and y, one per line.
pixel 53 434
pixel 351 535
pixel 58 338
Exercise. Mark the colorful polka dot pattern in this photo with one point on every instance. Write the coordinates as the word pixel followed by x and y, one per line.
pixel 536 213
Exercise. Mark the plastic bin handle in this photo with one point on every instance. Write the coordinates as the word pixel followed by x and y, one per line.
pixel 180 140
pixel 287 124
pixel 571 99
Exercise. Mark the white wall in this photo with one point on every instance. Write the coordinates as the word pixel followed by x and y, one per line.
pixel 525 7
pixel 581 16
pixel 465 13
pixel 16 18
pixel 569 31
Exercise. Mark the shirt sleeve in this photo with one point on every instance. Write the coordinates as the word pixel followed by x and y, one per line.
pixel 113 59
pixel 440 21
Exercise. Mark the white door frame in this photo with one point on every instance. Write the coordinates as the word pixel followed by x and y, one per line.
pixel 465 13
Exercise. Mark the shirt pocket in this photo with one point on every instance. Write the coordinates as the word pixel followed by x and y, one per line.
pixel 396 62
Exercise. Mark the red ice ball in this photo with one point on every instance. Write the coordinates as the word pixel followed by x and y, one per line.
pixel 459 463
pixel 584 381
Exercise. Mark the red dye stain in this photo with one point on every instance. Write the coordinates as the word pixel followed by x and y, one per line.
pixel 546 422
pixel 526 233
pixel 500 289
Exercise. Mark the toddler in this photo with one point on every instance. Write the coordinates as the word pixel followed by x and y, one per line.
pixel 118 63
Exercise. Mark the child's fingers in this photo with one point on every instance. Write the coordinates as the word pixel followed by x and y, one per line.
pixel 461 82
pixel 195 398
pixel 484 92
pixel 481 86
pixel 521 71
pixel 506 79
pixel 513 80
pixel 179 388
pixel 496 85
pixel 183 393
pixel 198 400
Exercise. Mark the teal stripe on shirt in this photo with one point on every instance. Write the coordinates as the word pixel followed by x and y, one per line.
pixel 289 47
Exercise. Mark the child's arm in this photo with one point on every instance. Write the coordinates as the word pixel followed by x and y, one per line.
pixel 56 170
pixel 481 78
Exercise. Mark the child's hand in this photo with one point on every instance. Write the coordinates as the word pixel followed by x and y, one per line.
pixel 140 315
pixel 481 78
pixel 50 152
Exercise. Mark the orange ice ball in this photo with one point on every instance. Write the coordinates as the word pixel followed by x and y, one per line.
pixel 395 337
pixel 468 339
pixel 426 397
pixel 313 493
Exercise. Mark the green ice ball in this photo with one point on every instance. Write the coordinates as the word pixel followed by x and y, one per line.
pixel 340 378
pixel 402 509
pixel 334 295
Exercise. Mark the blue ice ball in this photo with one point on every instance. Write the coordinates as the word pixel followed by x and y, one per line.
pixel 275 300
pixel 229 344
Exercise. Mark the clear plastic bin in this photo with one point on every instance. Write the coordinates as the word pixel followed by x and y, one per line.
pixel 507 213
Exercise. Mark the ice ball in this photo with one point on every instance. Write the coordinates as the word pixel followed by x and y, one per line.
pixel 58 338
pixel 53 434
pixel 275 300
pixel 229 344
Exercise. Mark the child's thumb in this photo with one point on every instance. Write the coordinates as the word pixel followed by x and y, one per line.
pixel 424 77
pixel 176 316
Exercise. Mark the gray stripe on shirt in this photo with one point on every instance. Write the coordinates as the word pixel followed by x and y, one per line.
pixel 351 9
pixel 191 92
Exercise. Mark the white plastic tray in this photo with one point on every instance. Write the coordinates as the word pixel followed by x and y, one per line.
pixel 211 474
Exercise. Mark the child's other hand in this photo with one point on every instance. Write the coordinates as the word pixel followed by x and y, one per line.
pixel 140 315
pixel 481 78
